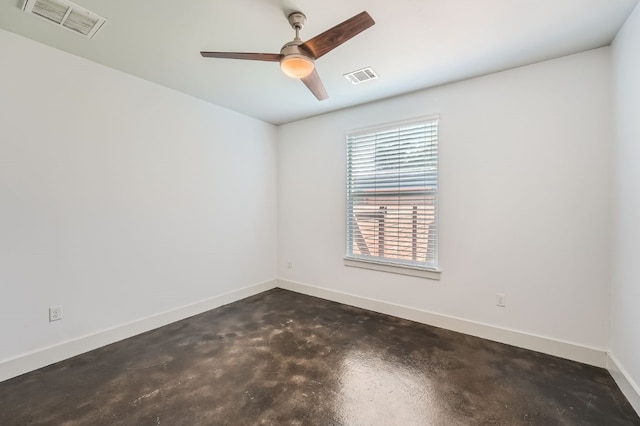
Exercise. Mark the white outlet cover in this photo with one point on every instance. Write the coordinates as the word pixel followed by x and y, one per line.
pixel 55 313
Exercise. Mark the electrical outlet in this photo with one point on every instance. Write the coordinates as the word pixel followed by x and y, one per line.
pixel 55 313
pixel 501 300
pixel 289 264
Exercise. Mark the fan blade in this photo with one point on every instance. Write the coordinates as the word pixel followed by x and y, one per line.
pixel 334 37
pixel 313 82
pixel 270 57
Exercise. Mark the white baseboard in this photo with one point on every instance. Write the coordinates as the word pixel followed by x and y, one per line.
pixel 49 355
pixel 574 352
pixel 629 388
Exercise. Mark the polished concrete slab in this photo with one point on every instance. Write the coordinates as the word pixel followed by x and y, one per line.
pixel 281 358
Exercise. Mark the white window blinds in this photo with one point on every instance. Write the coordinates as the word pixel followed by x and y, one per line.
pixel 392 189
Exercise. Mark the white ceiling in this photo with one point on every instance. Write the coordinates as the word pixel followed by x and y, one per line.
pixel 415 44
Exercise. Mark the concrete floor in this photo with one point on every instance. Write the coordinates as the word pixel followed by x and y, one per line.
pixel 281 358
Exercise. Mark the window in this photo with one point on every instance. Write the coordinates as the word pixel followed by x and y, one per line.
pixel 392 189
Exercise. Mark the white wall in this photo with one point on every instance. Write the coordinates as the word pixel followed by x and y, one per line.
pixel 524 200
pixel 120 199
pixel 625 253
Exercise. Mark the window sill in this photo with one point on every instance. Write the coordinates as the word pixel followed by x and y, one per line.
pixel 432 274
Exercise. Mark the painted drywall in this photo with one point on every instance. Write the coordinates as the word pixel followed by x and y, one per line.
pixel 524 200
pixel 120 199
pixel 625 253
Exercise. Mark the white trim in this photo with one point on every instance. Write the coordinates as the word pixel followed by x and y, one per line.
pixel 414 271
pixel 52 354
pixel 567 350
pixel 629 388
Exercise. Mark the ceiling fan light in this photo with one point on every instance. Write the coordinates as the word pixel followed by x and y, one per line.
pixel 297 66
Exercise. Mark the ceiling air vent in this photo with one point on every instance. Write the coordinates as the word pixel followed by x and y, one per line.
pixel 66 14
pixel 360 76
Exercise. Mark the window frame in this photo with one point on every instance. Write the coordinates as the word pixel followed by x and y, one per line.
pixel 429 271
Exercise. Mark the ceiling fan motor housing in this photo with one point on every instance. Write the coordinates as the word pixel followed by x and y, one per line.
pixel 291 48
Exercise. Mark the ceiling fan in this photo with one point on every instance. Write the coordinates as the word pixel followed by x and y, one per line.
pixel 297 57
